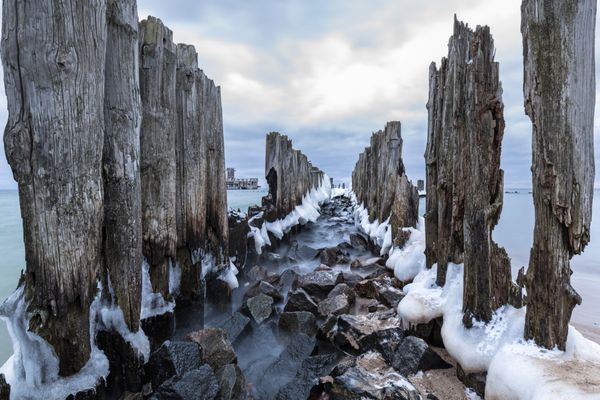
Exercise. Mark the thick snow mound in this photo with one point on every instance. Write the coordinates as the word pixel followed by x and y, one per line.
pixel 307 211
pixel 406 261
pixel 516 369
pixel 524 371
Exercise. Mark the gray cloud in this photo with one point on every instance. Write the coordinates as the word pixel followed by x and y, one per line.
pixel 330 73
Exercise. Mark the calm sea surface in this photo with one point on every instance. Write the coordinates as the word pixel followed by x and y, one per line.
pixel 514 232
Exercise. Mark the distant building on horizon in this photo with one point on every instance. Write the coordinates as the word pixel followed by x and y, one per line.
pixel 241 183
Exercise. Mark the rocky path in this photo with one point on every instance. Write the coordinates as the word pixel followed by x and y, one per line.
pixel 316 320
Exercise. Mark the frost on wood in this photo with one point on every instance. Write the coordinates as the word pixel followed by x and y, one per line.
pixel 559 90
pixel 201 216
pixel 54 148
pixel 157 140
pixel 464 179
pixel 121 157
pixel 381 185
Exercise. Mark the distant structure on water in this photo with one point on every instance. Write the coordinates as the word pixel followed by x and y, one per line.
pixel 421 187
pixel 240 183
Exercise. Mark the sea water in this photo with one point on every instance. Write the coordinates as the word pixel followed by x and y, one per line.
pixel 514 232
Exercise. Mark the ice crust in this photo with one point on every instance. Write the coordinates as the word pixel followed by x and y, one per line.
pixel 406 261
pixel 152 303
pixel 516 368
pixel 307 211
pixel 32 370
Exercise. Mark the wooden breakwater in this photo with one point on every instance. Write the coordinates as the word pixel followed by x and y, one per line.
pixel 116 174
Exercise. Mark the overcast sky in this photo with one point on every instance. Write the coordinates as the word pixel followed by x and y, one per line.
pixel 329 73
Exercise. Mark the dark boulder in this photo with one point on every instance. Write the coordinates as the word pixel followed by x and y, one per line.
pixel 413 355
pixel 349 331
pixel 172 358
pixel 257 273
pixel 343 288
pixel 197 384
pixel 306 253
pixel 260 307
pixel 335 305
pixel 391 296
pixel 333 255
pixel 369 377
pixel 319 283
pixel 217 350
pixel 270 290
pixel 358 241
pixel 306 377
pixel 299 300
pixel 298 321
pixel 384 341
pixel 284 368
pixel 232 383
pixel 287 279
pixel 234 326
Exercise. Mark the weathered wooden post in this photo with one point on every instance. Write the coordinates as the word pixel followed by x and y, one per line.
pixel 431 160
pixel 487 275
pixel 464 179
pixel 121 158
pixel 559 89
pixel 289 174
pixel 202 225
pixel 380 182
pixel 157 156
pixel 53 142
pixel 192 172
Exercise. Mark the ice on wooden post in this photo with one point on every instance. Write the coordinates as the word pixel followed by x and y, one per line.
pixel 386 204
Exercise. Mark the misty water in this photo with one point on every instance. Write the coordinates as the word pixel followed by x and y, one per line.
pixel 514 232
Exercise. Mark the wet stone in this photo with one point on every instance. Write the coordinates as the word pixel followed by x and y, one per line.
pixel 198 384
pixel 285 367
pixel 298 321
pixel 330 255
pixel 299 300
pixel 413 355
pixel 257 273
pixel 391 296
pixel 319 283
pixel 217 350
pixel 335 305
pixel 287 278
pixel 260 307
pixel 384 341
pixel 306 252
pixel 232 383
pixel 234 326
pixel 358 241
pixel 311 369
pixel 369 377
pixel 342 288
pixel 270 290
pixel 172 358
